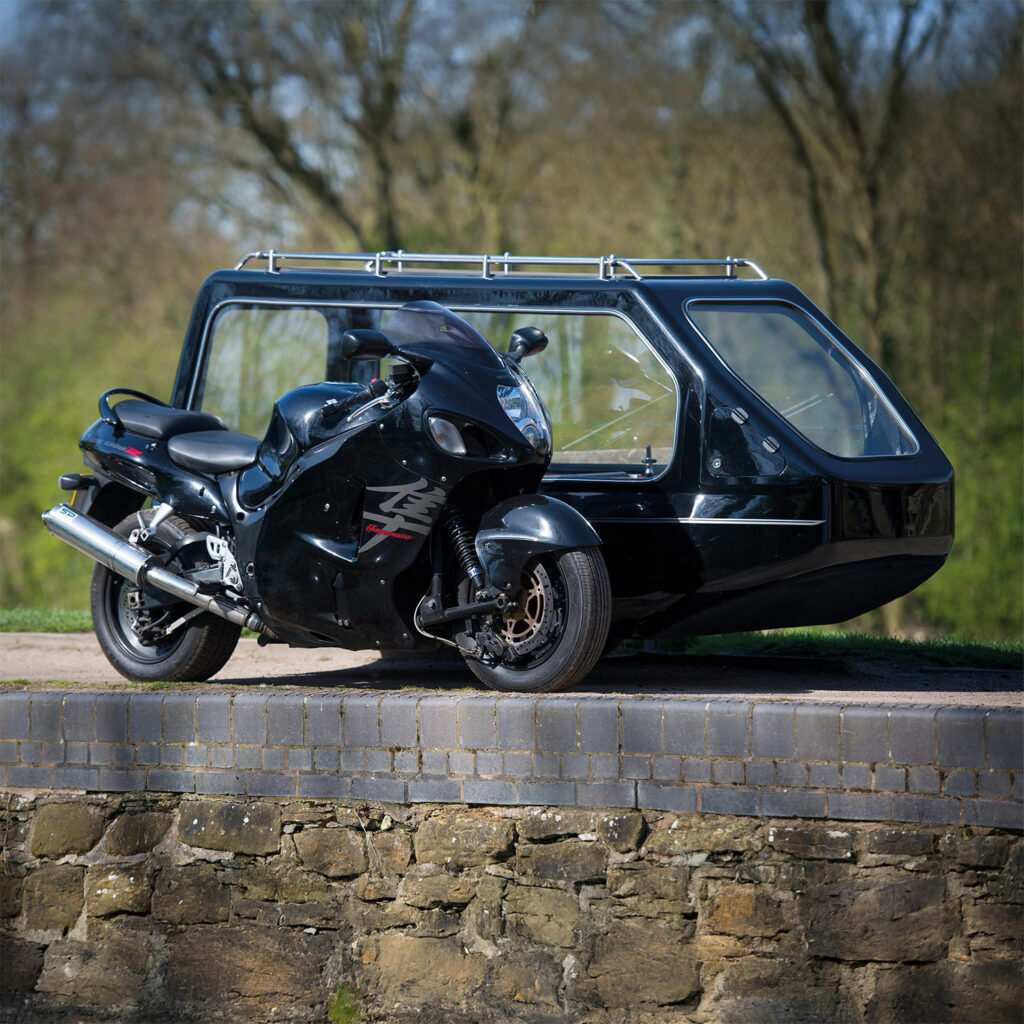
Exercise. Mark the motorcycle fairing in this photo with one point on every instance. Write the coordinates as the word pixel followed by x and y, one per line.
pixel 331 523
pixel 301 547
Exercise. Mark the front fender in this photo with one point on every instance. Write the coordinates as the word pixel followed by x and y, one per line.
pixel 520 528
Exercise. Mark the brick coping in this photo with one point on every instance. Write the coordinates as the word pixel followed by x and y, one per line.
pixel 935 764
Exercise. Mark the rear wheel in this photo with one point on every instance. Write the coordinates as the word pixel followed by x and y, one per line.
pixel 556 631
pixel 129 620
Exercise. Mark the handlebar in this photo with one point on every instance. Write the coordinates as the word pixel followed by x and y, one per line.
pixel 335 409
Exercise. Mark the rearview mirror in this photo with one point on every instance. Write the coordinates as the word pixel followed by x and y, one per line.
pixel 526 341
pixel 365 343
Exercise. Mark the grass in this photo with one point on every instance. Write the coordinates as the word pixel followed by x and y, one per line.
pixel 110 684
pixel 950 652
pixel 813 642
pixel 49 620
pixel 44 620
pixel 344 1008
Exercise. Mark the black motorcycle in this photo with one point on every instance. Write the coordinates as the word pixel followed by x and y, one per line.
pixel 401 514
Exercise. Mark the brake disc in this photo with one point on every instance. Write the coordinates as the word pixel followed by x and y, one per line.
pixel 530 623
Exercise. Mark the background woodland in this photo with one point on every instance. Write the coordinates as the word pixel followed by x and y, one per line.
pixel 869 152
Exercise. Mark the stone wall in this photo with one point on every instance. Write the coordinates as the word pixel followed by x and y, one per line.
pixel 150 907
pixel 763 758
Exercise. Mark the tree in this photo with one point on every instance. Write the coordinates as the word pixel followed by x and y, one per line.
pixel 838 77
pixel 869 151
pixel 303 100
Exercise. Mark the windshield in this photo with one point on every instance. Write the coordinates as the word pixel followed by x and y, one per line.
pixel 428 323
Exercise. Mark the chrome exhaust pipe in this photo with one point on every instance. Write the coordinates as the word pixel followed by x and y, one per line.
pixel 106 547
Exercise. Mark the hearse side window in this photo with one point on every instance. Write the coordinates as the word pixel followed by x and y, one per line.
pixel 255 353
pixel 805 375
pixel 608 394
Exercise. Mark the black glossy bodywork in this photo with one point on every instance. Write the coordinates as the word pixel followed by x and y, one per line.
pixel 749 526
pixel 332 513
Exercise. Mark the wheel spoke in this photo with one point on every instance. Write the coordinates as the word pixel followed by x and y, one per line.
pixel 134 616
pixel 142 631
pixel 555 631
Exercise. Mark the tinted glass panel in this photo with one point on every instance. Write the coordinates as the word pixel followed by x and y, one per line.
pixel 254 354
pixel 607 393
pixel 805 376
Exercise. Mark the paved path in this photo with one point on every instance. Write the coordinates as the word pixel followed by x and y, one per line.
pixel 42 657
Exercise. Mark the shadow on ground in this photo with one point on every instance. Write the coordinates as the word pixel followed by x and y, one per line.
pixel 659 674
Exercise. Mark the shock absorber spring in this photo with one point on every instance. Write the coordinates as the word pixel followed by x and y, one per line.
pixel 462 543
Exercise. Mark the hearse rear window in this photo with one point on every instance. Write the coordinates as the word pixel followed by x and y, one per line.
pixel 805 375
pixel 608 394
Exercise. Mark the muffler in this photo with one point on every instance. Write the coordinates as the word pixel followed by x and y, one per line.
pixel 106 547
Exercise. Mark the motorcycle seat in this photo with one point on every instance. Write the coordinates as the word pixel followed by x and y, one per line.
pixel 213 451
pixel 161 421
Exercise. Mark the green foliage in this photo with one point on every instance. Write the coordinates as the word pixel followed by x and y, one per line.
pixel 56 362
pixel 44 620
pixel 141 153
pixel 345 1008
pixel 979 593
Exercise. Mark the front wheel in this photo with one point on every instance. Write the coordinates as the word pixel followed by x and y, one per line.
pixel 130 621
pixel 556 631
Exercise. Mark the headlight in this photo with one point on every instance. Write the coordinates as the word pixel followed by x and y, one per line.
pixel 524 408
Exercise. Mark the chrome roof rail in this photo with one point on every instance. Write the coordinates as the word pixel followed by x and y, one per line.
pixel 607 268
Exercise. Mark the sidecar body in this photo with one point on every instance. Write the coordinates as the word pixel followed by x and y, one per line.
pixel 744 463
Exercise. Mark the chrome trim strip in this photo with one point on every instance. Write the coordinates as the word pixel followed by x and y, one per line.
pixel 702 521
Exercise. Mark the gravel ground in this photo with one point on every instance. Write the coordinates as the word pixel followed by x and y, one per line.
pixel 55 658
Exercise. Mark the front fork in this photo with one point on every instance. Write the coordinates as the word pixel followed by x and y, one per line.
pixel 431 610
pixel 510 534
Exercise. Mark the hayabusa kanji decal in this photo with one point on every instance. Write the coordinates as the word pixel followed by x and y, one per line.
pixel 409 510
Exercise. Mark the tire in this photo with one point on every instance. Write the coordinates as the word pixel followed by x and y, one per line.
pixel 559 628
pixel 194 652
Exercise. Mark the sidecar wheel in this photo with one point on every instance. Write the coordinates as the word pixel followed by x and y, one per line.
pixel 194 652
pixel 557 631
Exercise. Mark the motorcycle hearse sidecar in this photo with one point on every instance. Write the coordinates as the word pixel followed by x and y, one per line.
pixel 743 463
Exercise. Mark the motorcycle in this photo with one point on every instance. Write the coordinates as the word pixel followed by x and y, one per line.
pixel 401 514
